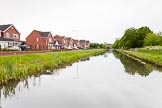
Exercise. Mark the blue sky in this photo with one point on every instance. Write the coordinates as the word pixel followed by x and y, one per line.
pixel 94 20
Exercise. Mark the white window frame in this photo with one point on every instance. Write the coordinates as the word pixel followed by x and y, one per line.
pixel 15 36
pixel 37 40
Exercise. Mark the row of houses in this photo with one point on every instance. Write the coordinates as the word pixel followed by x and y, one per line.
pixel 39 40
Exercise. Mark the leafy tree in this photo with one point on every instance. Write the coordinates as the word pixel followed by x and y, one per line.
pixel 97 45
pixel 141 34
pixel 23 43
pixel 152 39
pixel 129 38
pixel 133 38
pixel 116 44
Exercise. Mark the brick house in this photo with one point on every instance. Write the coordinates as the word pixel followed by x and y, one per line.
pixel 70 42
pixel 38 40
pixel 87 44
pixel 9 36
pixel 76 44
pixel 59 42
pixel 82 44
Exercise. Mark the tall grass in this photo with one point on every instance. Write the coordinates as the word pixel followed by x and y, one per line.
pixel 152 56
pixel 18 67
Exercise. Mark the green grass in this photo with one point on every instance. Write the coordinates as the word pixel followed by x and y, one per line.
pixel 18 67
pixel 151 56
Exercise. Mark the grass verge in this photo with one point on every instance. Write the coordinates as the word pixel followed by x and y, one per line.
pixel 150 56
pixel 18 67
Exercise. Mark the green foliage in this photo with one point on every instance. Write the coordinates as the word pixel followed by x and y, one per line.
pixel 129 38
pixel 116 45
pixel 141 34
pixel 134 66
pixel 133 38
pixel 20 66
pixel 151 56
pixel 97 45
pixel 152 39
pixel 6 49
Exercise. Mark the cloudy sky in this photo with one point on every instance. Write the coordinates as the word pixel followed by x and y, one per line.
pixel 94 20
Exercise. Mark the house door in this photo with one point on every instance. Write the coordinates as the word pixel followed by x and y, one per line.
pixel 37 46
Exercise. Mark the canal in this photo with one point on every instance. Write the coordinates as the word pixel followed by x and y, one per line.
pixel 110 80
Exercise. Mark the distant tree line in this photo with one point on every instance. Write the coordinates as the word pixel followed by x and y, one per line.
pixel 98 45
pixel 137 38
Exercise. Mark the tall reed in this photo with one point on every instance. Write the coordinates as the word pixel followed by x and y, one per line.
pixel 18 67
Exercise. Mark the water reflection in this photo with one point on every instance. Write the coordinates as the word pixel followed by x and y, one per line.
pixel 13 88
pixel 85 59
pixel 132 66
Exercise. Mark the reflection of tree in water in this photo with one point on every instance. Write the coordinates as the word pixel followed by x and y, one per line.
pixel 85 59
pixel 14 88
pixel 11 88
pixel 132 66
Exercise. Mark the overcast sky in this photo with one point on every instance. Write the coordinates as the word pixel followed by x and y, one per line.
pixel 94 20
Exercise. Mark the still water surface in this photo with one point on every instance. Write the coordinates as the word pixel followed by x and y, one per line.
pixel 110 80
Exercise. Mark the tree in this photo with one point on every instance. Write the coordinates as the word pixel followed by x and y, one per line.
pixel 129 38
pixel 141 34
pixel 152 39
pixel 133 38
pixel 116 45
pixel 23 43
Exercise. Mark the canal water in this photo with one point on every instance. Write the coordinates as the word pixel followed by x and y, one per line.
pixel 110 80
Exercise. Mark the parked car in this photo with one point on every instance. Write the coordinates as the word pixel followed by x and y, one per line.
pixel 24 47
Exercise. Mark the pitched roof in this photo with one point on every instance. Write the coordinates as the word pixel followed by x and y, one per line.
pixel 87 41
pixel 6 39
pixel 4 27
pixel 82 41
pixel 68 38
pixel 58 37
pixel 76 41
pixel 43 34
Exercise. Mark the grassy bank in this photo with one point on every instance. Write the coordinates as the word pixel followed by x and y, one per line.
pixel 20 66
pixel 150 54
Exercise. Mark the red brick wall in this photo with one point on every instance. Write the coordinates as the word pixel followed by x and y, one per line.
pixel 31 41
pixel 12 31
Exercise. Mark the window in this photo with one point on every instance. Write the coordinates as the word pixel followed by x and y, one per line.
pixel 37 39
pixel 37 46
pixel 8 35
pixel 10 44
pixel 49 46
pixel 15 36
